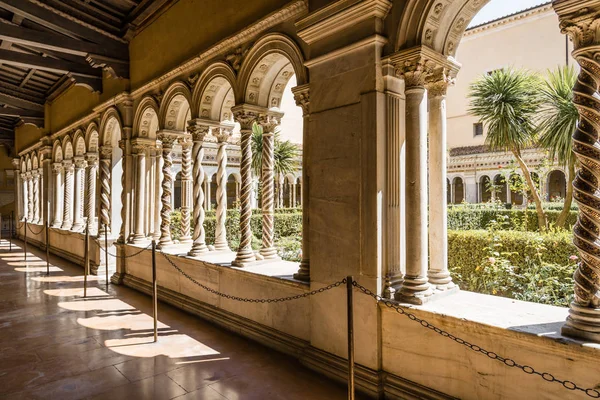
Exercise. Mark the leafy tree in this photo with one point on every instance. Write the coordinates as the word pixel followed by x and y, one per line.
pixel 285 152
pixel 557 123
pixel 507 102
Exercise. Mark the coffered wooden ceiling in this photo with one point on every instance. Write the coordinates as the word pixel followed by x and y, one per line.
pixel 46 45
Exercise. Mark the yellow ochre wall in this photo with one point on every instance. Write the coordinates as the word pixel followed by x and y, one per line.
pixel 188 28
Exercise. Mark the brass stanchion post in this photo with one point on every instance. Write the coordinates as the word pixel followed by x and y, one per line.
pixel 47 248
pixel 106 252
pixel 25 252
pixel 350 309
pixel 87 258
pixel 154 292
pixel 0 228
pixel 10 233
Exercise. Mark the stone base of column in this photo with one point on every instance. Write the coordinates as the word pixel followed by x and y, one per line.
pixel 414 290
pixel 67 225
pixel 56 224
pixel 198 250
pixel 164 243
pixel 117 278
pixel 78 227
pixel 139 239
pixel 244 258
pixel 582 323
pixel 185 239
pixel 441 281
pixel 269 253
pixel 303 273
pixel 222 246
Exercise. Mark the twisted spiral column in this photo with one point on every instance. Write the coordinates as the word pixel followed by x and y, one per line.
pixel 584 312
pixel 186 183
pixel 246 117
pixel 29 196
pixel 90 193
pixel 167 191
pixel 78 195
pixel 267 250
pixel 105 189
pixel 57 169
pixel 221 230
pixel 36 197
pixel 199 236
pixel 126 166
pixel 68 198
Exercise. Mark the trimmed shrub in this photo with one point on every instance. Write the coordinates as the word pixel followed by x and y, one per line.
pixel 466 218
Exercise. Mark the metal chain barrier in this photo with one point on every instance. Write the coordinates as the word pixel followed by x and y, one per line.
pixel 506 361
pixel 34 232
pixel 247 300
pixel 126 256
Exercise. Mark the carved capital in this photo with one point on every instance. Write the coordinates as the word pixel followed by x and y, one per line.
pixel 68 165
pixel 79 162
pixel 439 81
pixel 302 97
pixel 91 158
pixel 167 139
pixel 421 65
pixel 223 134
pixel 105 152
pixel 16 163
pixel 140 148
pixel 580 19
pixel 246 115
pixel 57 168
pixel 185 141
pixel 270 121
pixel 198 129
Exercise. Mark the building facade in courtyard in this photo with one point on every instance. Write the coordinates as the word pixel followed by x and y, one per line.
pixel 121 98
pixel 484 48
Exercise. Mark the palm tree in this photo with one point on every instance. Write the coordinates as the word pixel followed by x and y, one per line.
pixel 557 123
pixel 507 102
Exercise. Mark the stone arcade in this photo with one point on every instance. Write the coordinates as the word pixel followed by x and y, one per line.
pixel 372 77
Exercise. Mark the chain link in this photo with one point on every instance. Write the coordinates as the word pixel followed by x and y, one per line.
pixel 593 393
pixel 247 300
pixel 34 232
pixel 126 256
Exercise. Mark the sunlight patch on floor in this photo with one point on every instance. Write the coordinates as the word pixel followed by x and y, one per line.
pixel 174 346
pixel 61 278
pixel 37 269
pixel 136 322
pixel 74 292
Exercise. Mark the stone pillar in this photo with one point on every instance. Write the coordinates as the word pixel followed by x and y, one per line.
pixel 393 206
pixel 79 180
pixel 35 178
pixel 302 98
pixel 246 116
pixel 105 189
pixel 90 193
pixel 579 19
pixel 139 235
pixel 18 189
pixel 155 192
pixel 293 195
pixel 269 122
pixel 24 197
pixel 439 276
pixel 414 69
pixel 198 133
pixel 186 188
pixel 57 171
pixel 67 221
pixel 167 141
pixel 237 191
pixel 125 195
pixel 223 135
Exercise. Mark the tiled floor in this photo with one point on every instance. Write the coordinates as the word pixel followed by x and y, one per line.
pixel 56 345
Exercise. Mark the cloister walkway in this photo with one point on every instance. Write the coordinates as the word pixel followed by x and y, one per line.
pixel 54 344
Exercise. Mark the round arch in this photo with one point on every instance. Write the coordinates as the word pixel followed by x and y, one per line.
pixel 79 143
pixel 437 24
pixel 556 183
pixel 146 121
pixel 110 127
pixel 57 151
pixel 458 189
pixel 215 93
pixel 264 74
pixel 175 108
pixel 92 138
pixel 34 161
pixel 485 189
pixel 67 146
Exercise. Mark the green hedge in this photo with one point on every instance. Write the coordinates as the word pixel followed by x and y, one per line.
pixel 464 218
pixel 467 249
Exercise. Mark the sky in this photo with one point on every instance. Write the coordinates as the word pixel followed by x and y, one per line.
pixel 499 8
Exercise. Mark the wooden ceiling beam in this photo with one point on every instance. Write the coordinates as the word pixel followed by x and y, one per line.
pixel 23 60
pixel 60 43
pixel 18 112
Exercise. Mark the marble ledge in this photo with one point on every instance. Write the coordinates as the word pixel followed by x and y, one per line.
pixel 536 319
pixel 279 270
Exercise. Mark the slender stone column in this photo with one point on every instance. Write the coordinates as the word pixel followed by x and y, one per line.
pixel 198 133
pixel 35 178
pixel 126 163
pixel 246 116
pixel 105 189
pixel 208 192
pixel 579 19
pixel 156 176
pixel 223 135
pixel 415 288
pixel 167 189
pixel 269 122
pixel 237 191
pixel 18 188
pixel 25 187
pixel 293 195
pixel 30 196
pixel 302 98
pixel 186 188
pixel 90 193
pixel 68 195
pixel 57 171
pixel 79 180
pixel 140 193
pixel 439 276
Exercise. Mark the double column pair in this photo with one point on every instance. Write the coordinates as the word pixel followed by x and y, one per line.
pixel 426 76
pixel 32 195
pixel 199 130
